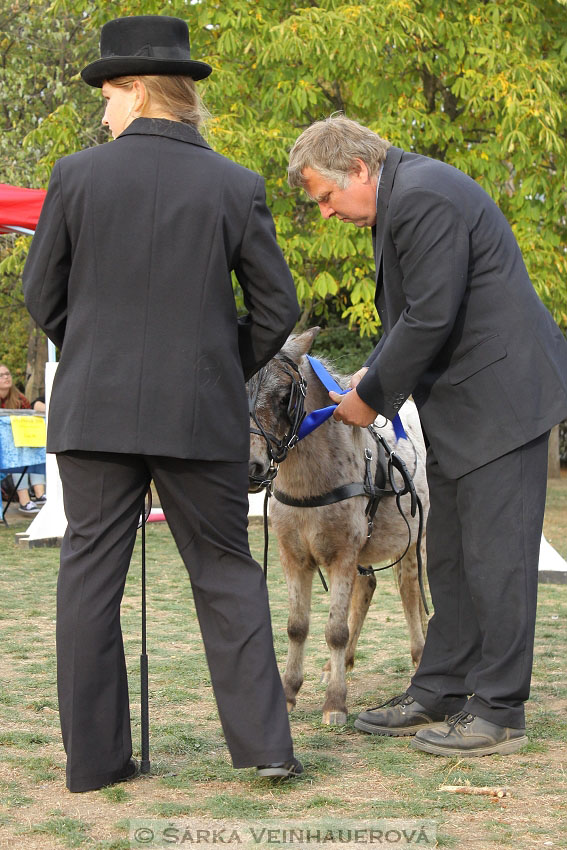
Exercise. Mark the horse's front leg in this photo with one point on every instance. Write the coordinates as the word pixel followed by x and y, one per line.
pixel 362 593
pixel 341 578
pixel 299 578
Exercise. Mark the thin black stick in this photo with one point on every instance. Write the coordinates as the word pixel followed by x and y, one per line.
pixel 144 697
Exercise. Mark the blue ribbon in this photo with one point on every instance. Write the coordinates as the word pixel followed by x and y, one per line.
pixel 317 417
pixel 399 428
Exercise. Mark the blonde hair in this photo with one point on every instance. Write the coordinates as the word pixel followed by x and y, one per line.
pixel 331 147
pixel 174 94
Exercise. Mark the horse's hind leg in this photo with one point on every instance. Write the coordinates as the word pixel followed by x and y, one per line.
pixel 299 579
pixel 408 584
pixel 362 593
pixel 336 634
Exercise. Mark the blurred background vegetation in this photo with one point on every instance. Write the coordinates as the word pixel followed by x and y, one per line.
pixel 478 84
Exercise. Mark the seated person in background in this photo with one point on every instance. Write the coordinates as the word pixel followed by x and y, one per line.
pixel 34 483
pixel 12 399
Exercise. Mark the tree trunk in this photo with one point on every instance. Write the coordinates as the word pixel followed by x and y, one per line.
pixel 554 465
pixel 37 357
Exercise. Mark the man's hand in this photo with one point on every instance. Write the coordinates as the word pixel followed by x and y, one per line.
pixel 358 376
pixel 351 409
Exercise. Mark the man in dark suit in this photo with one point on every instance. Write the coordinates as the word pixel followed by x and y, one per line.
pixel 466 334
pixel 129 274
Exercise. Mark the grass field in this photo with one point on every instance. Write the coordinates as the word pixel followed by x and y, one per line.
pixel 350 779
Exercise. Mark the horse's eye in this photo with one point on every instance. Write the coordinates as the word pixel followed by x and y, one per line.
pixel 284 401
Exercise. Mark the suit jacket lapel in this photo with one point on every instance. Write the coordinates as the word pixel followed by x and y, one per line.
pixel 393 158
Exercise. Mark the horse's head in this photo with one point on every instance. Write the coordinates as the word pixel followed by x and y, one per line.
pixel 276 397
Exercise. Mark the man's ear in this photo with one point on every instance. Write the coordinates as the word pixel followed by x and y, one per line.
pixel 360 170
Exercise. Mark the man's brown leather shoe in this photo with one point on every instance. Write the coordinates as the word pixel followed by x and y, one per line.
pixel 401 715
pixel 468 735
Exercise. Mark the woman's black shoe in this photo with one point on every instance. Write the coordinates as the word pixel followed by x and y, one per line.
pixel 131 771
pixel 281 769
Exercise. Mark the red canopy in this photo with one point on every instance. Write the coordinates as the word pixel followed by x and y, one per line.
pixel 19 208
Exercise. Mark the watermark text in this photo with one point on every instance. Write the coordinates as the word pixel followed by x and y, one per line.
pixel 324 835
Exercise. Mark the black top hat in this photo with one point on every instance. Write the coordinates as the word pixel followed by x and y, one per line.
pixel 144 44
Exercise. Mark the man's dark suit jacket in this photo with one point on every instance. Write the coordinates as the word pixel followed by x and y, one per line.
pixel 129 273
pixel 464 329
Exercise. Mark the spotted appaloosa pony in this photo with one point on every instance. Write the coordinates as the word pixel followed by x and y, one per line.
pixel 333 537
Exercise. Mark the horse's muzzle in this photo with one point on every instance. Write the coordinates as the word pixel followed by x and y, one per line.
pixel 259 477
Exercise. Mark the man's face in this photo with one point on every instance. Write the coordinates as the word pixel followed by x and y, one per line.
pixel 355 204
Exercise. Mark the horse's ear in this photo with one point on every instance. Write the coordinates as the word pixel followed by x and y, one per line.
pixel 297 346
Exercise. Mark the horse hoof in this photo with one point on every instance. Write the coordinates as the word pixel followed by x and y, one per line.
pixel 325 677
pixel 335 718
pixel 290 707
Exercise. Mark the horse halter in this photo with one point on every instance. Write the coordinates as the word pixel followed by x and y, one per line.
pixel 278 448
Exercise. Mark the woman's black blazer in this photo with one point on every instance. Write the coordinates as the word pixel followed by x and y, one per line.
pixel 129 274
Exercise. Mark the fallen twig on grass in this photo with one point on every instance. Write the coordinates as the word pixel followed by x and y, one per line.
pixel 476 789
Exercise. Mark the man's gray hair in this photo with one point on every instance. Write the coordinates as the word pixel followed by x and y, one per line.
pixel 331 147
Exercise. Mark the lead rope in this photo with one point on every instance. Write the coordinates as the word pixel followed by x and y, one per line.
pixel 395 461
pixel 267 539
pixel 266 532
pixel 366 571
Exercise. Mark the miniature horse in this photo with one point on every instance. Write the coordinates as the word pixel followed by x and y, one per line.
pixel 335 536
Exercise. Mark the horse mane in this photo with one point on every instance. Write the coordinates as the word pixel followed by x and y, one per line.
pixel 301 360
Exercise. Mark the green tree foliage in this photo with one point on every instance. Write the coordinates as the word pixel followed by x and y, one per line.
pixel 478 84
pixel 40 55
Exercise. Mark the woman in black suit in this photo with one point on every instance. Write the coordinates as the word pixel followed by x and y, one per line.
pixel 129 274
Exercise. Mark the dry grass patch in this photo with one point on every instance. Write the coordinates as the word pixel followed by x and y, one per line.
pixel 348 775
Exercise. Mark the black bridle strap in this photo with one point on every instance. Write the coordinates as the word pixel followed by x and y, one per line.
pixel 278 448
